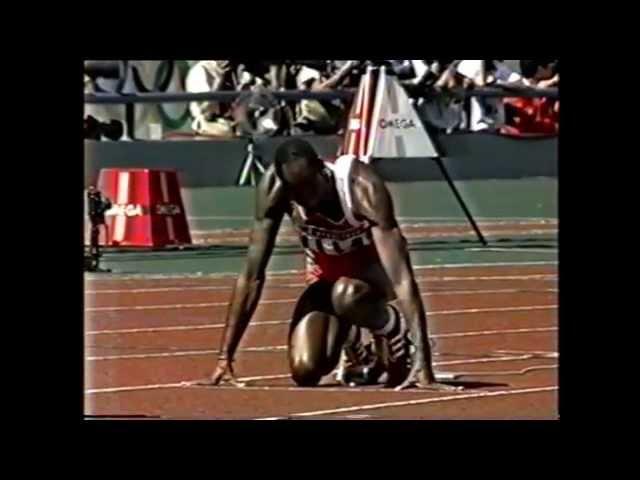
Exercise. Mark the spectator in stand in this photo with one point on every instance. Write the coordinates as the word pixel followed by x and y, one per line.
pixel 485 113
pixel 270 117
pixel 210 117
pixel 322 117
pixel 268 73
pixel 534 116
pixel 441 108
pixel 355 70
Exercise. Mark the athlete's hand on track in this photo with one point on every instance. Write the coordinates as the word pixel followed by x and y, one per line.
pixel 419 378
pixel 223 375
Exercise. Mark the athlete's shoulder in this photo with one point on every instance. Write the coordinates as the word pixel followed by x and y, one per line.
pixel 270 192
pixel 372 199
pixel 365 178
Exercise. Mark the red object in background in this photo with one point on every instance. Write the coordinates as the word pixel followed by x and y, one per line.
pixel 147 208
pixel 359 120
pixel 530 116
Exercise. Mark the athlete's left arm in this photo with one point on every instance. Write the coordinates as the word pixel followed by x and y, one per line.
pixel 374 202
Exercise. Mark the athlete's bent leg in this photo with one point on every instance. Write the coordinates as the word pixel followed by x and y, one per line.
pixel 358 302
pixel 316 336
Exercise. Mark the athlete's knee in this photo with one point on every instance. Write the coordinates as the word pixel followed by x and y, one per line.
pixel 305 371
pixel 347 294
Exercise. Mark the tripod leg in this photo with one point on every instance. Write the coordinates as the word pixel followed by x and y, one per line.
pixel 463 205
pixel 246 167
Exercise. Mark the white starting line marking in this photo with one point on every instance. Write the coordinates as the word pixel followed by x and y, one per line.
pixel 422 401
pixel 294 300
pixel 289 273
pixel 440 376
pixel 286 321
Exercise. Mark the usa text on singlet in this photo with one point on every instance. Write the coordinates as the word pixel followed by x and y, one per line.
pixel 335 248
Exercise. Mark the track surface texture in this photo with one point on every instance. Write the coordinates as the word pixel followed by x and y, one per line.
pixel 494 326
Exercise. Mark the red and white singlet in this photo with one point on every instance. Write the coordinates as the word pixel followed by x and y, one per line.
pixel 335 249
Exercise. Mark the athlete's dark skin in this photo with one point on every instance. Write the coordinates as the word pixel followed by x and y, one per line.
pixel 314 189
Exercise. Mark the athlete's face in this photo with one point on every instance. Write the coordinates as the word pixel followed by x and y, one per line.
pixel 313 190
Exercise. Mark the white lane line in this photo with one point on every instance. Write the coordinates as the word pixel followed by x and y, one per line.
pixel 213 326
pixel 176 306
pixel 285 321
pixel 184 353
pixel 499 332
pixel 471 361
pixel 187 288
pixel 288 273
pixel 422 401
pixel 504 373
pixel 158 386
pixel 278 348
pixel 207 326
pixel 552 277
pixel 496 309
pixel 542 353
pixel 176 385
pixel 294 300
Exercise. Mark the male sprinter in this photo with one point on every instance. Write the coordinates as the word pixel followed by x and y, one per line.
pixel 357 263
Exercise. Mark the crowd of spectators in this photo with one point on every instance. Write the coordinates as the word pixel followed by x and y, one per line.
pixel 436 88
pixel 434 85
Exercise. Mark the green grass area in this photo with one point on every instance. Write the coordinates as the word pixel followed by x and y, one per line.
pixel 530 198
pixel 213 260
pixel 430 201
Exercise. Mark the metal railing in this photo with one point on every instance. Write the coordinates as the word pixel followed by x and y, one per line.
pixel 294 95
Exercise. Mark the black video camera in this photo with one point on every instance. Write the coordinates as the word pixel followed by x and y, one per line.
pixel 94 129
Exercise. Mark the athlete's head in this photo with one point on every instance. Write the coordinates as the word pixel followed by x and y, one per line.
pixel 303 173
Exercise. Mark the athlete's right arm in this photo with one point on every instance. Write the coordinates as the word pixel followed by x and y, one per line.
pixel 270 208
